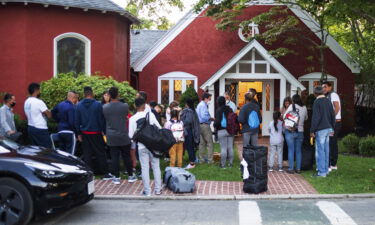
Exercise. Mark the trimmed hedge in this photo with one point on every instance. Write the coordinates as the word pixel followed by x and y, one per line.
pixel 351 143
pixel 367 146
pixel 55 89
pixel 189 93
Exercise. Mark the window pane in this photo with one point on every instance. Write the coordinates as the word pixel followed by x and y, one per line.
pixel 260 68
pixel 70 56
pixel 245 68
pixel 232 70
pixel 247 56
pixel 272 70
pixel 177 89
pixel 189 83
pixel 258 56
pixel 165 92
pixel 268 97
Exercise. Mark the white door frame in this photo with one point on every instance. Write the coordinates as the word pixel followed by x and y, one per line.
pixel 267 115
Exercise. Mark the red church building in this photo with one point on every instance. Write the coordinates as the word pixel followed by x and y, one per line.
pixel 41 38
pixel 195 54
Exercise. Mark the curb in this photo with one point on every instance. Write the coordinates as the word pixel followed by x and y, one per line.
pixel 237 197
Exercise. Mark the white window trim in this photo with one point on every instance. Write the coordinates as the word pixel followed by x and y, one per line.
pixel 311 77
pixel 87 50
pixel 172 76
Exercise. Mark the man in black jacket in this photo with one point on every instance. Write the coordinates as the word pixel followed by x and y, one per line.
pixel 250 134
pixel 322 127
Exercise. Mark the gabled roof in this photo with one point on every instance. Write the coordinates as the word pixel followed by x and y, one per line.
pixel 264 53
pixel 141 41
pixel 335 47
pixel 102 5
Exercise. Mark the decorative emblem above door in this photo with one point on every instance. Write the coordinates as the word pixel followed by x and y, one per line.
pixel 246 34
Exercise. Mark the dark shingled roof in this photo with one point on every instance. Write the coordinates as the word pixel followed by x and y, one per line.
pixel 143 40
pixel 102 5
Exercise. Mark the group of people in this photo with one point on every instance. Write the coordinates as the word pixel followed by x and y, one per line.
pixel 325 127
pixel 109 123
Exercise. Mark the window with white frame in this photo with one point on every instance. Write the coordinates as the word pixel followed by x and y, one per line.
pixel 72 54
pixel 311 80
pixel 253 63
pixel 172 85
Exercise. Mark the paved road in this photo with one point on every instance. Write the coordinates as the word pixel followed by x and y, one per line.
pixel 275 212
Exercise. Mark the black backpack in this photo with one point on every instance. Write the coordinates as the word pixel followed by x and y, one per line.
pixel 158 141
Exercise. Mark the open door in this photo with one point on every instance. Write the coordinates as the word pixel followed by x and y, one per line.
pixel 267 105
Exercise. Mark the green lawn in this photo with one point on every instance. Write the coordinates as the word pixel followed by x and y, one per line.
pixel 213 171
pixel 354 175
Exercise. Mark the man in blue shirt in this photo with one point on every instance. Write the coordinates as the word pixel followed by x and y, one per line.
pixel 64 114
pixel 206 133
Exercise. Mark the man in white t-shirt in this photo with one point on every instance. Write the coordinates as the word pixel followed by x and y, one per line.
pixel 36 112
pixel 335 99
pixel 145 156
pixel 143 95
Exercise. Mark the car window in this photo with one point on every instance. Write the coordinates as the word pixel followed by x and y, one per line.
pixel 6 143
pixel 3 150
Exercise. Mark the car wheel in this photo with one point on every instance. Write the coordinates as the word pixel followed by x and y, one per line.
pixel 16 204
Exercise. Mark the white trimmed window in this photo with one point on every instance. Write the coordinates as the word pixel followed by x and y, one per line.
pixel 312 80
pixel 72 53
pixel 172 85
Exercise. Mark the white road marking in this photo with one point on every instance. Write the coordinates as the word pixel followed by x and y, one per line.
pixel 249 213
pixel 335 214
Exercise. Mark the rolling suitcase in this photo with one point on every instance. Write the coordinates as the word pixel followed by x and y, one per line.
pixel 256 174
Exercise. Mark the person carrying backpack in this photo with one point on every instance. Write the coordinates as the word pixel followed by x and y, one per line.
pixel 177 128
pixel 221 124
pixel 250 118
pixel 294 119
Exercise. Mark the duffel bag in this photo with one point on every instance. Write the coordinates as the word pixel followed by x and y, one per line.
pixel 158 141
pixel 179 180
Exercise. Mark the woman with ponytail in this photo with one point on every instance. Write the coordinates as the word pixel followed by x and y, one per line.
pixel 276 141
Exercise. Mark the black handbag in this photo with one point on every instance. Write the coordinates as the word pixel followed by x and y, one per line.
pixel 158 141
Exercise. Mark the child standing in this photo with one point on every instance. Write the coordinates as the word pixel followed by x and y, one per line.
pixel 276 141
pixel 177 127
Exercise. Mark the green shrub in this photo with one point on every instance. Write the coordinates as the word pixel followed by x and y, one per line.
pixel 55 89
pixel 367 146
pixel 189 93
pixel 342 148
pixel 351 143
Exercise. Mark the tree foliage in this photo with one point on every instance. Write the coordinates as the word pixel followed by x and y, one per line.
pixel 279 25
pixel 56 89
pixel 189 93
pixel 149 12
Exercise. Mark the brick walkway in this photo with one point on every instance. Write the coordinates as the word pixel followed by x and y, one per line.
pixel 279 183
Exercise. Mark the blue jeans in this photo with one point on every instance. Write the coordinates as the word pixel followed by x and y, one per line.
pixel 322 151
pixel 294 141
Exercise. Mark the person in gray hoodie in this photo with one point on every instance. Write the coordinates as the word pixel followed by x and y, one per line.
pixel 90 125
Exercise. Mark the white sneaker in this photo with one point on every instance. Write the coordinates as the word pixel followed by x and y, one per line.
pixel 270 170
pixel 116 180
pixel 333 167
pixel 190 166
pixel 132 179
pixel 281 170
pixel 329 169
pixel 108 176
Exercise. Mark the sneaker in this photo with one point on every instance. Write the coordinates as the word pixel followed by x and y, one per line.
pixel 290 171
pixel 317 176
pixel 270 169
pixel 190 166
pixel 116 180
pixel 132 179
pixel 108 176
pixel 158 192
pixel 222 167
pixel 146 194
pixel 330 169
pixel 333 168
pixel 298 171
pixel 281 170
pixel 230 165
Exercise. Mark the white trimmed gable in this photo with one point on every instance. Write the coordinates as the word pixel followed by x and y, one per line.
pixel 254 44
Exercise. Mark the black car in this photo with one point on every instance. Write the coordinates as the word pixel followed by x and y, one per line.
pixel 39 181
